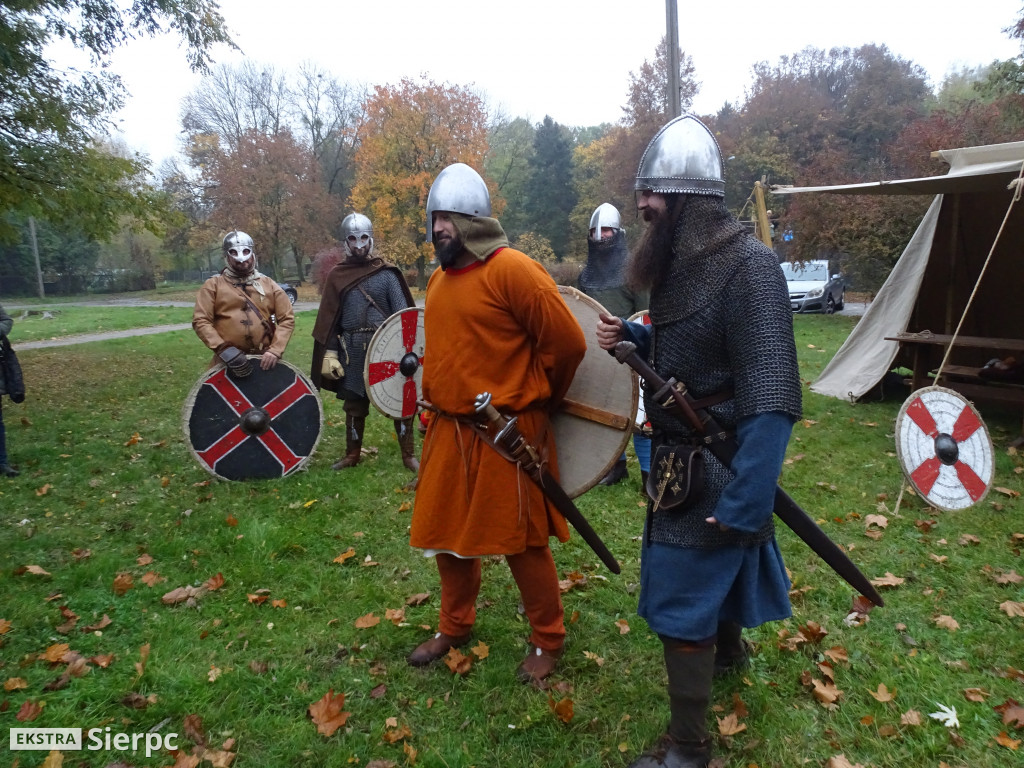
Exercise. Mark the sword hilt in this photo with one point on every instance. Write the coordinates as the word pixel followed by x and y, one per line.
pixel 508 436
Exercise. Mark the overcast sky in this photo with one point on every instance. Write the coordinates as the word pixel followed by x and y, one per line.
pixel 563 58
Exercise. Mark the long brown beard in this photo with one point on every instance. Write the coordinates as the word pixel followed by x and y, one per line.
pixel 650 261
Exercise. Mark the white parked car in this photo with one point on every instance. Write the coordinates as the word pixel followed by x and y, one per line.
pixel 812 288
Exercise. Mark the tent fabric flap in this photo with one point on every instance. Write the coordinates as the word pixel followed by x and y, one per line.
pixel 866 356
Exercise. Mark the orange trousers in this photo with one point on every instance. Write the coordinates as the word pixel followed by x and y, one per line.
pixel 537 578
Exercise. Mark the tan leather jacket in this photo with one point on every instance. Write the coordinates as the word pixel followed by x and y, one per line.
pixel 222 317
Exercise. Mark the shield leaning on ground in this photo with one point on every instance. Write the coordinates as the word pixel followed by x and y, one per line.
pixel 944 448
pixel 394 364
pixel 263 426
pixel 596 419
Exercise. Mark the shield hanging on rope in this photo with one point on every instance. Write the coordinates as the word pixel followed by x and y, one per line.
pixel 596 418
pixel 944 448
pixel 263 426
pixel 394 364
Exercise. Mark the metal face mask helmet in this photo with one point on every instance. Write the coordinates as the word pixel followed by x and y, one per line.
pixel 604 216
pixel 238 249
pixel 684 158
pixel 457 189
pixel 357 235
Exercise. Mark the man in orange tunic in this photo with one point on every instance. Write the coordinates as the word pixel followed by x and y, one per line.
pixel 493 322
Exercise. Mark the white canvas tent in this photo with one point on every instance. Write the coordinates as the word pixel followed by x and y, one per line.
pixel 931 283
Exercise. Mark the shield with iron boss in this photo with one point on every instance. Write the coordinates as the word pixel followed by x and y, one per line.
pixel 394 364
pixel 596 418
pixel 944 448
pixel 262 426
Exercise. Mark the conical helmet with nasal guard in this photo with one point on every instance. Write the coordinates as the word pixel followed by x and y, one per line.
pixel 682 158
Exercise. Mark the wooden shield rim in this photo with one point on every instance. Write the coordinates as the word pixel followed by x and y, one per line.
pixel 190 400
pixel 570 409
pixel 374 341
pixel 903 459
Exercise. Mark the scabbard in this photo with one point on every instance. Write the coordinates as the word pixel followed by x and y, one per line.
pixel 786 509
pixel 565 505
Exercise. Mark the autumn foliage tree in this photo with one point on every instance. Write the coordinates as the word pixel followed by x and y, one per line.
pixel 270 187
pixel 412 131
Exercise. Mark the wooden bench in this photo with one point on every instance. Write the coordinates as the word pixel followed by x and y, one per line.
pixel 924 341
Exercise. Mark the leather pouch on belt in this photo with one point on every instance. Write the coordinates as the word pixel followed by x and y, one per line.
pixel 676 479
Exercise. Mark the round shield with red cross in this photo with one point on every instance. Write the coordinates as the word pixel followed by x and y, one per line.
pixel 394 364
pixel 944 448
pixel 262 426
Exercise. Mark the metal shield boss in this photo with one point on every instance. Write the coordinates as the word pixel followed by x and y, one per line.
pixel 596 419
pixel 263 426
pixel 394 364
pixel 944 448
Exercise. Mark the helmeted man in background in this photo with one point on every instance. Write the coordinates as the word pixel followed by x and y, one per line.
pixel 604 279
pixel 360 293
pixel 721 324
pixel 241 312
pixel 494 321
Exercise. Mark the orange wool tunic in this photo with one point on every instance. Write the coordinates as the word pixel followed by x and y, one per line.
pixel 498 326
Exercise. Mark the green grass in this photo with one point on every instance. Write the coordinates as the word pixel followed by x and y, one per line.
pixel 54 321
pixel 87 483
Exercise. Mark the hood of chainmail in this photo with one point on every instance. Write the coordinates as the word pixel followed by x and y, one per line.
pixel 481 235
pixel 606 264
pixel 702 261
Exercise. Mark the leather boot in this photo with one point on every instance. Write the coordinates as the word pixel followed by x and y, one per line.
pixel 538 664
pixel 8 471
pixel 354 426
pixel 687 743
pixel 406 438
pixel 732 652
pixel 643 481
pixel 615 474
pixel 436 648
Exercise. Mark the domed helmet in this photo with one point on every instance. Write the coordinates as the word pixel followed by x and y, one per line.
pixel 357 232
pixel 683 157
pixel 457 189
pixel 238 248
pixel 605 215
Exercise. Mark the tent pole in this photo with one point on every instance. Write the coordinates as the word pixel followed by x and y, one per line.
pixel 951 285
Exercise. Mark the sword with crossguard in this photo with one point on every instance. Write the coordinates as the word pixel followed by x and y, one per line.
pixel 673 396
pixel 515 445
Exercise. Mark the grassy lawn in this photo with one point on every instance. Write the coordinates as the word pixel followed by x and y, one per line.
pixel 111 513
pixel 59 321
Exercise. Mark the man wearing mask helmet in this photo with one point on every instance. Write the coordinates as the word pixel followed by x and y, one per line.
pixel 721 324
pixel 604 279
pixel 241 312
pixel 360 293
pixel 494 321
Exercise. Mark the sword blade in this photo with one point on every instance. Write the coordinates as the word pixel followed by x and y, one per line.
pixel 565 505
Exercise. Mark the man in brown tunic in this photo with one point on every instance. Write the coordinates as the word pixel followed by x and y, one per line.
pixel 241 312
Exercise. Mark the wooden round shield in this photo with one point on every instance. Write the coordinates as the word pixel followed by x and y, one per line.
pixel 595 420
pixel 394 364
pixel 944 448
pixel 265 425
pixel 644 318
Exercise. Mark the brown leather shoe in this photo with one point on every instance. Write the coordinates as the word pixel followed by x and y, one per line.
pixel 538 664
pixel 436 648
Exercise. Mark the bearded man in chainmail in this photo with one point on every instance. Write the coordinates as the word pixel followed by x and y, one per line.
pixel 360 293
pixel 604 279
pixel 720 323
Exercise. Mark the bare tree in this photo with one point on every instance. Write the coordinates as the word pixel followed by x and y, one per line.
pixel 233 100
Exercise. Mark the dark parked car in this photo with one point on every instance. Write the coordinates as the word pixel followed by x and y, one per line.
pixel 289 291
pixel 812 288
